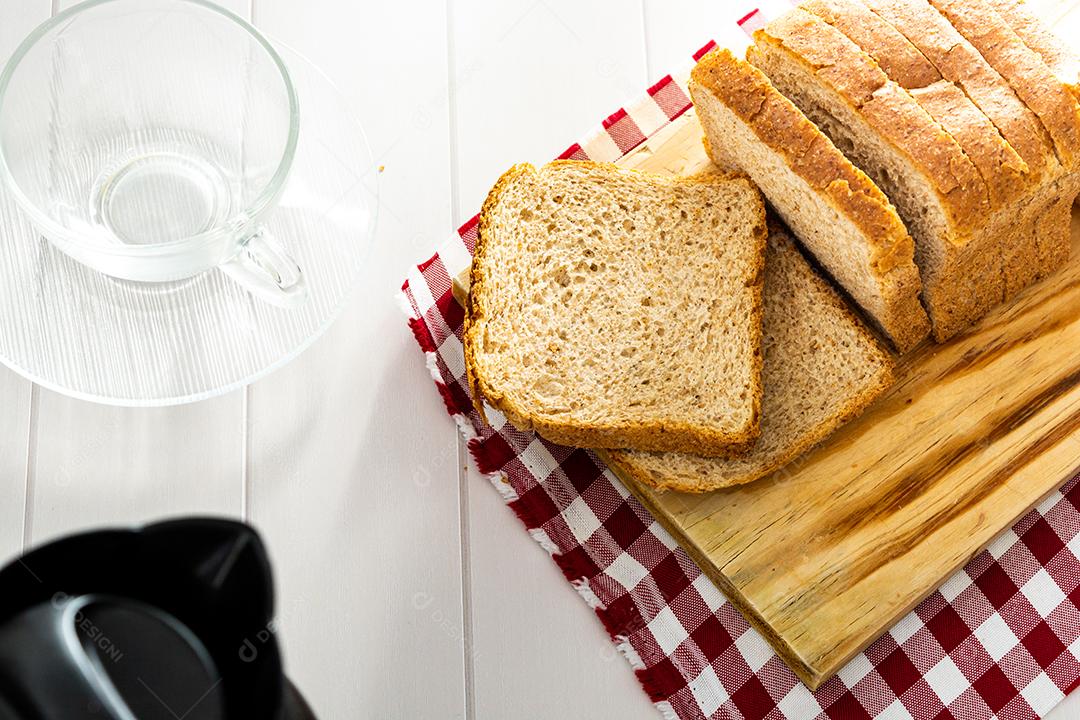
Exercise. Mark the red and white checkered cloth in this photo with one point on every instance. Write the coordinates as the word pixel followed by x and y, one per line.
pixel 1000 639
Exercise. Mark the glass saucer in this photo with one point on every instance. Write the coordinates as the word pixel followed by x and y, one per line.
pixel 87 335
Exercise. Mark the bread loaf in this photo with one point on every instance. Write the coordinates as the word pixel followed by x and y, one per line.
pixel 977 56
pixel 1010 182
pixel 976 243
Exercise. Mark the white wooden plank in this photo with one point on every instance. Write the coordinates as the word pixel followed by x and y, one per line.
pixel 353 461
pixel 96 465
pixel 675 30
pixel 530 79
pixel 91 464
pixel 538 650
pixel 14 436
pixel 17 19
pixel 354 486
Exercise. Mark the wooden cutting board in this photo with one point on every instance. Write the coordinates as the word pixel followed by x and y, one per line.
pixel 827 554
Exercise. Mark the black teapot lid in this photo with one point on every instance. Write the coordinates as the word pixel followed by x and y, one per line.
pixel 170 620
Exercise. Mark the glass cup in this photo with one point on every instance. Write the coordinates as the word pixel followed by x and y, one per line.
pixel 149 139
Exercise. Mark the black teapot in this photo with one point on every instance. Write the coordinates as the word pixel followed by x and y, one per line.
pixel 170 620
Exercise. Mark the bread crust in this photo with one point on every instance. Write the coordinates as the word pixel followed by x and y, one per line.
pixel 958 61
pixel 670 435
pixel 900 60
pixel 889 109
pixel 1025 71
pixel 1005 173
pixel 786 131
pixel 1062 61
pixel 624 466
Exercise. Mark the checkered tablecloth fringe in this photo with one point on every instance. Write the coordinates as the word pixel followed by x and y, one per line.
pixel 1000 640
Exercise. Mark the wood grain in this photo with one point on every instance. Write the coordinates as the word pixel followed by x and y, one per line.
pixel 826 554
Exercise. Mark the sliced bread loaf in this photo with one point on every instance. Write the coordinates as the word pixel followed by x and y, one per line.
pixel 1005 173
pixel 1030 78
pixel 970 261
pixel 1037 36
pixel 844 220
pixel 613 308
pixel 1008 179
pixel 822 368
pixel 1027 253
pixel 805 45
pixel 935 187
pixel 960 62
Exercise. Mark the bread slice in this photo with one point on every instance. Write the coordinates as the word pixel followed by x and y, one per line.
pixel 822 368
pixel 1037 36
pixel 844 220
pixel 614 308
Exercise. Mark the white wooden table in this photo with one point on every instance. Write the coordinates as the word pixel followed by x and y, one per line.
pixel 406 588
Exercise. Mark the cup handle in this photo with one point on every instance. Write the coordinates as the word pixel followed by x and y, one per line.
pixel 265 270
